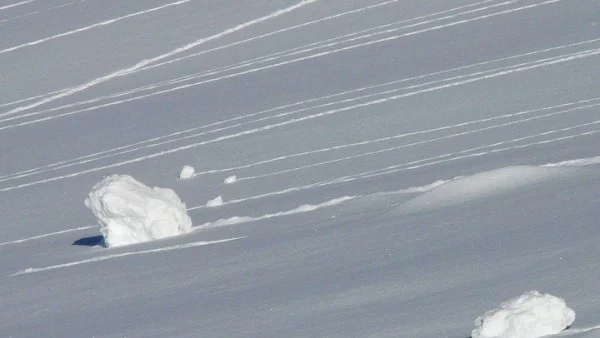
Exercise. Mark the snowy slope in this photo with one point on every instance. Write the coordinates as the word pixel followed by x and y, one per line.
pixel 401 166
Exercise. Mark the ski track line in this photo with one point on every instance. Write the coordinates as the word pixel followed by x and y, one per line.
pixel 380 151
pixel 398 136
pixel 304 118
pixel 17 4
pixel 144 145
pixel 301 209
pixel 246 219
pixel 37 12
pixel 245 63
pixel 249 71
pixel 28 99
pixel 96 25
pixel 423 163
pixel 40 169
pixel 46 235
pixel 308 24
pixel 124 254
pixel 143 63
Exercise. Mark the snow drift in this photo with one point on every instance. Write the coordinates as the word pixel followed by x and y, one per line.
pixel 531 315
pixel 130 212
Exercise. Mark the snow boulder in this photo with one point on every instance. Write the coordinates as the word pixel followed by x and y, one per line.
pixel 531 315
pixel 130 212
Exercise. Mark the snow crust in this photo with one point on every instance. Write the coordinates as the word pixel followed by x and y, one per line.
pixel 187 172
pixel 530 315
pixel 130 212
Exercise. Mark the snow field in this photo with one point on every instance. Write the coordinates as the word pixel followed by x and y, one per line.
pixel 129 212
pixel 530 315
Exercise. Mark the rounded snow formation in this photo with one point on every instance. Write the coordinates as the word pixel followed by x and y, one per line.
pixel 218 201
pixel 130 212
pixel 187 172
pixel 531 315
pixel 230 179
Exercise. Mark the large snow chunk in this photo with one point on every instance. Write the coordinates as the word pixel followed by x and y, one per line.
pixel 187 172
pixel 531 315
pixel 129 212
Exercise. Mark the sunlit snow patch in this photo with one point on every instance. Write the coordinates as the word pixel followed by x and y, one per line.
pixel 129 212
pixel 187 172
pixel 531 315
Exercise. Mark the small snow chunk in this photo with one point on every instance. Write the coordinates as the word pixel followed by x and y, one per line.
pixel 531 315
pixel 215 202
pixel 130 212
pixel 230 179
pixel 187 172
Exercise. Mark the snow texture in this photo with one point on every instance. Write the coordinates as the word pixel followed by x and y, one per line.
pixel 230 179
pixel 531 315
pixel 130 212
pixel 218 201
pixel 187 172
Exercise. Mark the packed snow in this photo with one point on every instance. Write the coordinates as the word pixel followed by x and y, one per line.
pixel 187 172
pixel 130 212
pixel 530 315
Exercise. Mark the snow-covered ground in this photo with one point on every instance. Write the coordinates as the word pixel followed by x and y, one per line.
pixel 385 168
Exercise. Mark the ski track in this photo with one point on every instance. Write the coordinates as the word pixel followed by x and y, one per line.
pixel 143 63
pixel 287 29
pixel 479 77
pixel 96 25
pixel 123 254
pixel 17 4
pixel 449 157
pixel 46 235
pixel 256 38
pixel 61 164
pixel 253 70
pixel 38 12
pixel 132 148
pixel 380 151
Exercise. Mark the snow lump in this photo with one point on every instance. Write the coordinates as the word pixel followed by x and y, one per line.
pixel 531 315
pixel 130 212
pixel 187 172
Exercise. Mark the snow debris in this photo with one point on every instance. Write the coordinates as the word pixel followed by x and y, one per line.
pixel 187 172
pixel 215 202
pixel 531 315
pixel 130 212
pixel 230 179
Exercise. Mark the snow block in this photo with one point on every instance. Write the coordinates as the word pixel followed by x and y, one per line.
pixel 531 315
pixel 187 172
pixel 130 212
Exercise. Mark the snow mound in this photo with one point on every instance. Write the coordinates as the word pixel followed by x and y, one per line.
pixel 187 172
pixel 230 179
pixel 130 212
pixel 468 188
pixel 531 315
pixel 218 201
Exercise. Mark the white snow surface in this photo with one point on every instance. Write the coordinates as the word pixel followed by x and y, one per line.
pixel 187 172
pixel 530 315
pixel 402 166
pixel 130 212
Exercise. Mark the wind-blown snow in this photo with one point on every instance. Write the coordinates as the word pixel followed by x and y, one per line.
pixel 129 212
pixel 531 315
